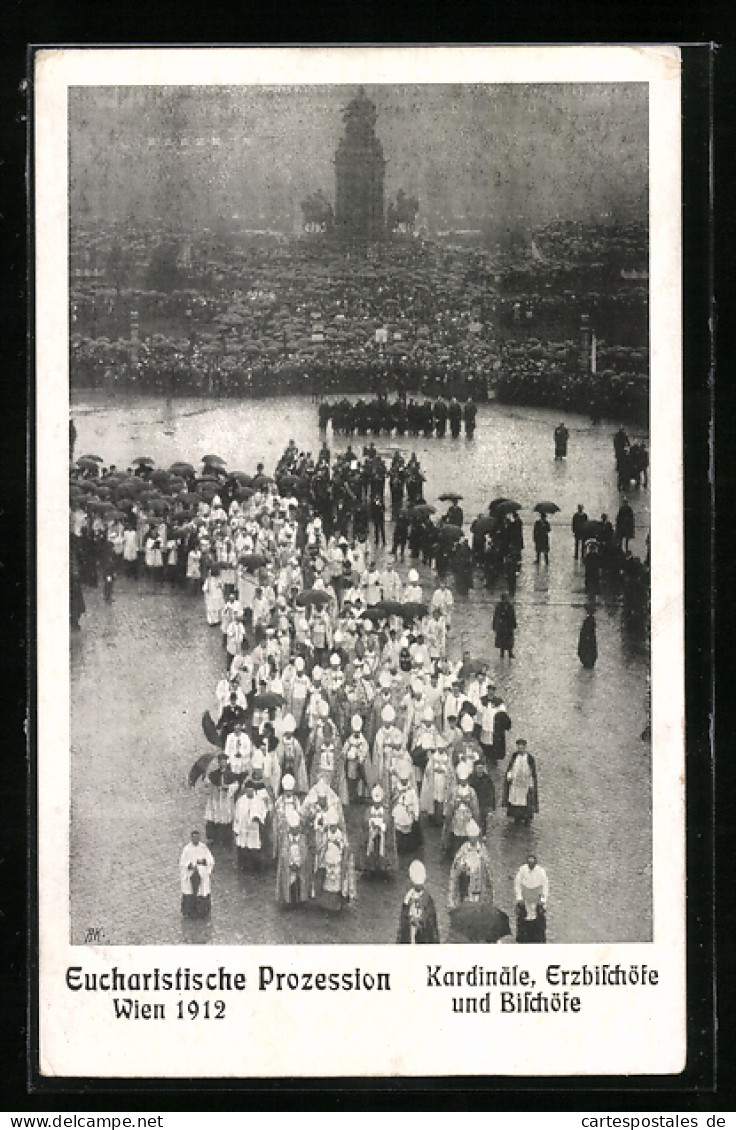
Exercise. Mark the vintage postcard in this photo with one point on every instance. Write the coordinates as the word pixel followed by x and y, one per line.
pixel 360 593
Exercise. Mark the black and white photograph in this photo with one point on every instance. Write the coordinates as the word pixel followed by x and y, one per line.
pixel 362 528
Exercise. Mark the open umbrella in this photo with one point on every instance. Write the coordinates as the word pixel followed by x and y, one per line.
pixel 318 597
pixel 261 481
pixel 201 767
pixel 450 496
pixel 413 610
pixel 88 464
pixel 390 607
pixel 183 469
pixel 157 505
pixel 94 458
pixel 210 730
pixel 374 614
pixel 214 461
pixel 493 506
pixel 207 491
pixel 143 461
pixel 131 486
pixel 507 507
pixel 242 494
pixel 448 532
pixel 592 530
pixel 547 508
pixel 242 477
pixel 253 560
pixel 287 482
pixel 268 700
pixel 160 478
pixel 483 526
pixel 422 510
pixel 480 922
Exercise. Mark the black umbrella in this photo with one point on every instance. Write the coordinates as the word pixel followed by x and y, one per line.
pixel 547 508
pixel 88 464
pixel 242 477
pixel 483 526
pixel 449 532
pixel 183 469
pixel 390 607
pixel 242 494
pixel 210 730
pixel 261 481
pixel 374 614
pixel 268 700
pixel 480 922
pixel 160 478
pixel 94 458
pixel 592 529
pixel 214 461
pixel 450 496
pixel 413 610
pixel 493 506
pixel 507 507
pixel 320 597
pixel 422 510
pixel 253 560
pixel 200 767
pixel 143 461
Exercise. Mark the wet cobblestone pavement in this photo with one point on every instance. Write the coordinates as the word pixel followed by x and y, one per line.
pixel 144 668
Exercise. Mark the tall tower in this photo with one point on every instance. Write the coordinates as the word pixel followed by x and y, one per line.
pixel 359 169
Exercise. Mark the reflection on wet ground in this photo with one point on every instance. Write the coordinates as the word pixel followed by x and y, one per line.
pixel 144 668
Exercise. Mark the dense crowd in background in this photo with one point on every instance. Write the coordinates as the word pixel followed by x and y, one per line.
pixel 279 316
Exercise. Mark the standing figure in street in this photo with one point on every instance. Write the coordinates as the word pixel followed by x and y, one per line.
pixel 541 533
pixel 587 643
pixel 334 876
pixel 195 868
pixel 561 437
pixel 405 809
pixel 520 793
pixel 214 600
pixel 579 522
pixel 249 826
pixel 531 890
pixel 470 874
pixel 222 784
pixel 418 919
pixel 504 625
pixel 625 525
pixel 378 854
pixel 293 870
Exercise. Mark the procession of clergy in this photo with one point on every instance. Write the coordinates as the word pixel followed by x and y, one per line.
pixel 334 697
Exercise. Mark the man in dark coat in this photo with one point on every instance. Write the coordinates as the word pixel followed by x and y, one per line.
pixel 561 437
pixel 504 625
pixel 579 521
pixel 625 526
pixel 587 643
pixel 541 538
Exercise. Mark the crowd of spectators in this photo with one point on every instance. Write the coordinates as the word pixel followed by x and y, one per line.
pixel 260 317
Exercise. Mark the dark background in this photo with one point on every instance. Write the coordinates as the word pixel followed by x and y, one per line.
pixel 702 1087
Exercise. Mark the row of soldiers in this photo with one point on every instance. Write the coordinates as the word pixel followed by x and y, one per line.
pixel 404 417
